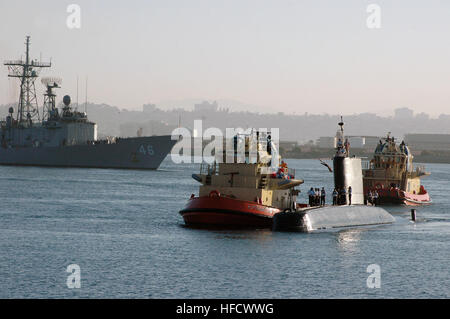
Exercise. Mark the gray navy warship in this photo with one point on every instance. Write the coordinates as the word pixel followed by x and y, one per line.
pixel 65 137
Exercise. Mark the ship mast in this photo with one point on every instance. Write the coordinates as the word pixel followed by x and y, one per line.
pixel 340 133
pixel 49 107
pixel 27 71
pixel 341 124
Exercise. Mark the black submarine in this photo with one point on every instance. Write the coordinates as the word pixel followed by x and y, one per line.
pixel 347 173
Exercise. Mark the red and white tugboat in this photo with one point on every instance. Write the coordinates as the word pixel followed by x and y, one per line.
pixel 391 174
pixel 246 194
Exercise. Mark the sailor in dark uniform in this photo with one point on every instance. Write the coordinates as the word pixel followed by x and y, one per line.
pixel 342 197
pixel 322 197
pixel 349 195
pixel 335 197
pixel 311 194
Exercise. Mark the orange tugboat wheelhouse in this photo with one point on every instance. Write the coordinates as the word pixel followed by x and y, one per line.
pixel 391 177
pixel 246 194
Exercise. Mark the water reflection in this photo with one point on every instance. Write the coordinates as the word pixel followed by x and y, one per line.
pixel 348 240
pixel 223 232
pixel 260 235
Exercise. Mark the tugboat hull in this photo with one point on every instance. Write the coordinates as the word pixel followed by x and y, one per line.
pixel 225 211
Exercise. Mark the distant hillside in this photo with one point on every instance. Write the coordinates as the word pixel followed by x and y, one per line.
pixel 301 128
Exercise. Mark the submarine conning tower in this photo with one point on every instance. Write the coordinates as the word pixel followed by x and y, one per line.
pixel 347 170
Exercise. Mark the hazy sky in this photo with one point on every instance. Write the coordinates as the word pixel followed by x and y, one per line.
pixel 294 56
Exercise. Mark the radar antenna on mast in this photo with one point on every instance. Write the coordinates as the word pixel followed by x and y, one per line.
pixel 49 108
pixel 27 71
pixel 51 81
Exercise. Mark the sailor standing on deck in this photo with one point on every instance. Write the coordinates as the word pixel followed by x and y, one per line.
pixel 375 198
pixel 322 196
pixel 343 196
pixel 370 197
pixel 335 196
pixel 347 147
pixel 349 195
pixel 311 195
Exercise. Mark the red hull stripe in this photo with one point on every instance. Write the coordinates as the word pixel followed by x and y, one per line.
pixel 219 210
pixel 226 219
pixel 222 211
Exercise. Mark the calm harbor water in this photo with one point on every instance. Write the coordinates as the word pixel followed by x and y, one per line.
pixel 123 229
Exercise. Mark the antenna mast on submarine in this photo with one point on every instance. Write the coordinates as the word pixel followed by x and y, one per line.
pixel 341 124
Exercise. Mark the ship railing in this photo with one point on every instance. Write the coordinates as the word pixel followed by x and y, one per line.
pixel 288 172
pixel 41 64
pixel 365 165
pixel 291 172
pixel 14 62
pixel 208 169
pixel 31 63
pixel 420 169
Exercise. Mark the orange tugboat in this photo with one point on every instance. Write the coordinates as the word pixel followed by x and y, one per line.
pixel 391 175
pixel 246 194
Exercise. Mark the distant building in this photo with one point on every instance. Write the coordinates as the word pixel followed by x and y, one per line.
pixel 326 142
pixel 428 142
pixel 205 106
pixel 403 113
pixel 367 142
pixel 357 141
pixel 417 142
pixel 148 108
pixel 288 145
pixel 422 116
pixel 371 142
